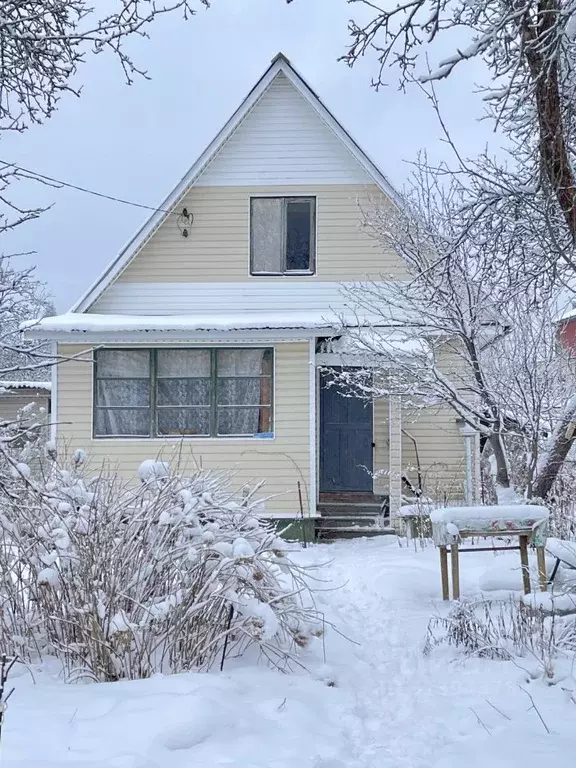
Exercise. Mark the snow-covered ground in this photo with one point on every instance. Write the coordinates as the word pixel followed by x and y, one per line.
pixel 369 697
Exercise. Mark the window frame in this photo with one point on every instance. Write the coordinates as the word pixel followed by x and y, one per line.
pixel 313 228
pixel 153 433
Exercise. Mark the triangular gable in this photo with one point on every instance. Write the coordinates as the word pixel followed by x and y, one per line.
pixel 279 75
pixel 283 141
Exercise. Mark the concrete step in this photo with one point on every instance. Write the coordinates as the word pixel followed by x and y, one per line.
pixel 340 509
pixel 347 521
pixel 353 532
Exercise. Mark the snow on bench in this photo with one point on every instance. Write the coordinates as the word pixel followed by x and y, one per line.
pixel 448 523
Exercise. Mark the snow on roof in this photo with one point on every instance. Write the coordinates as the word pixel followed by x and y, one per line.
pixel 568 314
pixel 377 341
pixel 44 385
pixel 196 307
pixel 217 321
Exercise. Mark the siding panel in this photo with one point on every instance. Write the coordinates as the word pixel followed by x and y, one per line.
pixel 283 141
pixel 281 462
pixel 218 246
pixel 440 450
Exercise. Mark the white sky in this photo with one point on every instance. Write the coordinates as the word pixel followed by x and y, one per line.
pixel 136 142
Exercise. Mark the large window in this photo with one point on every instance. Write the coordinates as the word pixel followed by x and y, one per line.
pixel 183 392
pixel 282 235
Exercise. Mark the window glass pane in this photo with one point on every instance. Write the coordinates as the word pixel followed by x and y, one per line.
pixel 183 363
pixel 127 392
pixel 266 234
pixel 121 421
pixel 184 421
pixel 244 362
pixel 299 234
pixel 244 421
pixel 123 363
pixel 244 391
pixel 183 391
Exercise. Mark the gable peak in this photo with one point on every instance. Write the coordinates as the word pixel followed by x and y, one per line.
pixel 282 59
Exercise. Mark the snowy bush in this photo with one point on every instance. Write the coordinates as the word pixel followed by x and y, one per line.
pixel 507 631
pixel 123 580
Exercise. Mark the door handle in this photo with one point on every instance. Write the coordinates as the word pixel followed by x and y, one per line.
pixel 373 445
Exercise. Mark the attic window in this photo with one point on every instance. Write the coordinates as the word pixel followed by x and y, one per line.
pixel 282 235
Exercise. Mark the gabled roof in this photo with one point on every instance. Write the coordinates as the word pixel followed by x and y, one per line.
pixel 280 64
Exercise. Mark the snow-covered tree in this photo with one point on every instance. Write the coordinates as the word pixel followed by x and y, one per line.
pixel 43 44
pixel 529 50
pixel 526 205
pixel 21 297
pixel 119 580
pixel 477 341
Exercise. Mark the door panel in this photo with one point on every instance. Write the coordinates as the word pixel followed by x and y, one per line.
pixel 346 439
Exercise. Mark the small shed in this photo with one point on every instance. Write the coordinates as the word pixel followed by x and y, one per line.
pixel 16 395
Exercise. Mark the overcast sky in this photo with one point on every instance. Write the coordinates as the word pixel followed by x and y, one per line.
pixel 136 142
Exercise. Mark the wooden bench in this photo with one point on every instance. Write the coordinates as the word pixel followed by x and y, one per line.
pixel 527 523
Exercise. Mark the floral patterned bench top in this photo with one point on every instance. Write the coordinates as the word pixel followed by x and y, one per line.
pixel 448 523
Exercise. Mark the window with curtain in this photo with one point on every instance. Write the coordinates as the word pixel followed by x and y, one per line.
pixel 282 235
pixel 183 392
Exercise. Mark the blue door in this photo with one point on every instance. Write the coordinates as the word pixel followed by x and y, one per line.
pixel 346 439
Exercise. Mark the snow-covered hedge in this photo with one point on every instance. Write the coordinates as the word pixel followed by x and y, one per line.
pixel 122 580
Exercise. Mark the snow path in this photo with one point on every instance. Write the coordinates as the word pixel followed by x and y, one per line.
pixel 408 706
pixel 376 701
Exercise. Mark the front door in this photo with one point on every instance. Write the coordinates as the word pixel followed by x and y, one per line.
pixel 346 436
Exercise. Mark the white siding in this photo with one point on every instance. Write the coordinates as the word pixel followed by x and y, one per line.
pixel 283 141
pixel 255 298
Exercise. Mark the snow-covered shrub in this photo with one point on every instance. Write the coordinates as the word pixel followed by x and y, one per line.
pixel 507 631
pixel 123 580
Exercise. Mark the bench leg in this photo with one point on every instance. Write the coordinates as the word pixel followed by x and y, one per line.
pixel 444 573
pixel 455 556
pixel 541 558
pixel 524 563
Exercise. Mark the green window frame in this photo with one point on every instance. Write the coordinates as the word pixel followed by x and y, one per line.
pixel 184 392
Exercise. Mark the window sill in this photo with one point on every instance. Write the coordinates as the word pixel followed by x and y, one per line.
pixel 294 273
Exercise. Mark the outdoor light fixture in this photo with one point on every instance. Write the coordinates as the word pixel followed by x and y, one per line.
pixel 185 221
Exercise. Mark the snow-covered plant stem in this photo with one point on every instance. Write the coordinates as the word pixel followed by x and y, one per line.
pixel 6 664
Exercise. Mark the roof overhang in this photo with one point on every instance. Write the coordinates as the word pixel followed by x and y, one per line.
pixel 246 336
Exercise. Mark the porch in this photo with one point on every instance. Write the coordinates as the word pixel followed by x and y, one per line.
pixel 373 455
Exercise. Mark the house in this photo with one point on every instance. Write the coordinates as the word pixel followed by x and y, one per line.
pixel 566 327
pixel 207 335
pixel 18 395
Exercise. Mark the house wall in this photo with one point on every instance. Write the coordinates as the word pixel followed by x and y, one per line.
pixel 282 462
pixel 12 402
pixel 282 140
pixel 440 447
pixel 567 334
pixel 218 246
pixel 437 444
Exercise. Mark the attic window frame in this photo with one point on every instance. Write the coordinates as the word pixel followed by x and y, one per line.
pixel 284 272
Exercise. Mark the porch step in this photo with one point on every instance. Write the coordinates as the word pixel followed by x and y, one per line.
pixel 353 532
pixel 349 509
pixel 347 521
